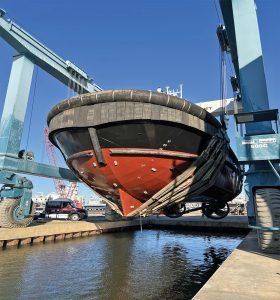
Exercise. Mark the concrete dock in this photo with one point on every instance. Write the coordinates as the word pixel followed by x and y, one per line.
pixel 246 274
pixel 60 230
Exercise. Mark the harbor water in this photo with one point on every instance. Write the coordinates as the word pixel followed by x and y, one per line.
pixel 153 264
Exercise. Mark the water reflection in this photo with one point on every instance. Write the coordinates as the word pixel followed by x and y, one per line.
pixel 129 265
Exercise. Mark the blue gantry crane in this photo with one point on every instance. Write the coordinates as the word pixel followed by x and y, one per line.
pixel 258 144
pixel 15 194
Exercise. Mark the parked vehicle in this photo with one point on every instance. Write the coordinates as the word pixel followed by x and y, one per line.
pixel 62 208
pixel 39 212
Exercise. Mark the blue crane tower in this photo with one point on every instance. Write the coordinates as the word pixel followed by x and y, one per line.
pixel 258 147
pixel 15 206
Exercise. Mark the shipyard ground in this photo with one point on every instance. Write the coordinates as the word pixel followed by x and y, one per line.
pixel 246 274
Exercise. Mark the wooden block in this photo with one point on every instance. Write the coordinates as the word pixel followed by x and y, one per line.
pixel 92 232
pixel 178 116
pixel 120 106
pixel 163 113
pixel 11 243
pixel 104 113
pixel 173 116
pixel 138 110
pixel 67 117
pixel 186 119
pixel 38 239
pixel 76 234
pixel 129 110
pixel 96 121
pixel 49 238
pixel 25 241
pixel 68 235
pixel 147 111
pixel 85 233
pixel 112 111
pixel 90 115
pixel 155 112
pixel 59 237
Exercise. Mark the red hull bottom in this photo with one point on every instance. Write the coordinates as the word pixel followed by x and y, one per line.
pixel 133 179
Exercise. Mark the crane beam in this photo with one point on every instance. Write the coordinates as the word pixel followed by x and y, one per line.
pixel 14 164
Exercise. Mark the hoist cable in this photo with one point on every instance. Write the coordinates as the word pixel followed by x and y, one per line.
pixel 217 11
pixel 230 64
pixel 223 86
pixel 220 22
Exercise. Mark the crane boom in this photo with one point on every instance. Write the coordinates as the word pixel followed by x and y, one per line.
pixel 63 70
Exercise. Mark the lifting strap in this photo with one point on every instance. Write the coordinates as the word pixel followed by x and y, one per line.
pixel 200 176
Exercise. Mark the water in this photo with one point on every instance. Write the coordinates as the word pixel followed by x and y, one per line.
pixel 154 264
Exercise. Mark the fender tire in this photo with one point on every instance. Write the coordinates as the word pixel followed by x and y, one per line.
pixel 267 202
pixel 7 219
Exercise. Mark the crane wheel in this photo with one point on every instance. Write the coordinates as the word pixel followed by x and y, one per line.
pixel 268 215
pixel 8 214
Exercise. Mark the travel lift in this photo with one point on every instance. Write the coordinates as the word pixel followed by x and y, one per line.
pixel 258 149
pixel 15 201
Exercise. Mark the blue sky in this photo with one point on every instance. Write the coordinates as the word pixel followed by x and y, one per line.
pixel 140 44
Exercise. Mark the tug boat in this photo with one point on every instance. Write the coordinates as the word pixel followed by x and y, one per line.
pixel 146 152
